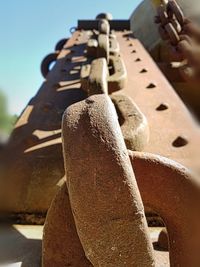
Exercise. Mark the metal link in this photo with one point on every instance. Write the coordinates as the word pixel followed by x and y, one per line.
pixel 116 79
pixel 133 123
pixel 103 47
pixel 183 35
pixel 97 82
pixel 104 26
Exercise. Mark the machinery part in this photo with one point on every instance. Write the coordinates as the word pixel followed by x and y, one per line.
pixel 61 245
pixel 173 9
pixel 118 78
pixel 172 192
pixel 92 140
pixel 103 47
pixel 163 240
pixel 59 46
pixel 97 81
pixel 47 61
pixel 104 26
pixel 133 123
pixel 107 16
pixel 92 46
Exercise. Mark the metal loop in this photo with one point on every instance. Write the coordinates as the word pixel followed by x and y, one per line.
pixel 72 30
pixel 173 35
pixel 173 9
pixel 47 61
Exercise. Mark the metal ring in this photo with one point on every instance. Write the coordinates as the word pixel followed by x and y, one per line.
pixel 46 62
pixel 60 44
pixel 162 15
pixel 173 9
pixel 72 29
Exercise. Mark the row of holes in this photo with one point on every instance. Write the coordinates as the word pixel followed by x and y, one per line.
pixel 180 141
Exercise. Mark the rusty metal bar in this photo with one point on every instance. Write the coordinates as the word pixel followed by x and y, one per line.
pixel 118 25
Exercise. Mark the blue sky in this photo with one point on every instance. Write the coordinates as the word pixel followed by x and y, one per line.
pixel 30 29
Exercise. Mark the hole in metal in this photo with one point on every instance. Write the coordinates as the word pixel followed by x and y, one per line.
pixel 162 107
pixel 151 86
pixel 180 141
pixel 143 71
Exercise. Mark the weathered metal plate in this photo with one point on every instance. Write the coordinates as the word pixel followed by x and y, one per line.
pixel 150 90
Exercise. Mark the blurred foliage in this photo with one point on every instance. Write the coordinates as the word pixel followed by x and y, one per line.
pixel 7 121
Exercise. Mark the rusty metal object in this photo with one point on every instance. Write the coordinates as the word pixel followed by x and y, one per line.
pixel 104 26
pixel 149 90
pixel 184 37
pixel 133 123
pixel 61 244
pixel 97 81
pixel 92 46
pixel 32 161
pixel 118 78
pixel 103 46
pixel 117 25
pixel 47 61
pixel 107 16
pixel 172 191
pixel 114 46
pixel 91 134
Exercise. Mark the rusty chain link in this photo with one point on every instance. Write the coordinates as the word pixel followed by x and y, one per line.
pixel 183 37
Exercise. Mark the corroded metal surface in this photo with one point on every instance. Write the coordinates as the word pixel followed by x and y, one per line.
pixel 149 89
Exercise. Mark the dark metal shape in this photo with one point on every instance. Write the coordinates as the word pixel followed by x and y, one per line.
pixel 117 25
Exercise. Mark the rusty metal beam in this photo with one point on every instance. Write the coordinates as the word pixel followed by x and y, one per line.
pixel 118 25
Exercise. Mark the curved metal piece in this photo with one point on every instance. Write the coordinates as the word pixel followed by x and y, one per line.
pixel 173 9
pixel 133 123
pixel 46 62
pixel 61 245
pixel 114 45
pixel 117 80
pixel 84 75
pixel 113 229
pixel 104 26
pixel 91 48
pixel 97 81
pixel 173 193
pixel 162 14
pixel 60 44
pixel 107 16
pixel 173 35
pixel 103 47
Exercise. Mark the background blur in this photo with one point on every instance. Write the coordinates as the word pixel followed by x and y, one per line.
pixel 29 31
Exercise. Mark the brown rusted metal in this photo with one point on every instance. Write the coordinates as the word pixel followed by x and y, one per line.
pixel 174 193
pixel 149 88
pixel 133 123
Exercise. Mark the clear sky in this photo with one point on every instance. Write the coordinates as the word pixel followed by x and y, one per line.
pixel 29 30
